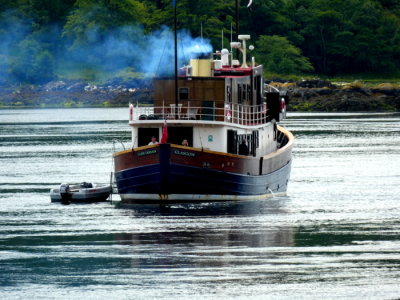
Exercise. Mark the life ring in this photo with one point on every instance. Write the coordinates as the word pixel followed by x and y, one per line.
pixel 228 112
pixel 282 105
pixel 264 108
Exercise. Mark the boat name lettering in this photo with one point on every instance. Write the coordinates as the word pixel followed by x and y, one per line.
pixel 147 152
pixel 184 153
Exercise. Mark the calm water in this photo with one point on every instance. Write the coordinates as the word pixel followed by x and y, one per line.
pixel 335 236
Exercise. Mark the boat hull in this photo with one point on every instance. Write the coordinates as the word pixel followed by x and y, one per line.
pixel 171 173
pixel 190 184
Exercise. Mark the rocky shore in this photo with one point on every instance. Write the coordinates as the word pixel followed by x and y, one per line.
pixel 319 95
pixel 306 95
pixel 74 93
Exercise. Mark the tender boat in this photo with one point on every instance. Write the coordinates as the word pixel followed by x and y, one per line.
pixel 83 192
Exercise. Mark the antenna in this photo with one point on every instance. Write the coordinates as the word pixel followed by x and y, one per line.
pixel 201 32
pixel 176 60
pixel 222 39
pixel 237 17
pixel 231 35
pixel 231 47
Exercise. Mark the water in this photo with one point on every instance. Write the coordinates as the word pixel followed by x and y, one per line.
pixel 335 236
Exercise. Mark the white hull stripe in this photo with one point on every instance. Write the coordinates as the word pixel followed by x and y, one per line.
pixel 194 197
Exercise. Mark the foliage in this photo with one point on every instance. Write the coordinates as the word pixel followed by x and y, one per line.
pixel 352 36
pixel 33 64
pixel 42 40
pixel 92 20
pixel 280 56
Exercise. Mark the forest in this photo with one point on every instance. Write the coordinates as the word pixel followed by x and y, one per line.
pixel 92 40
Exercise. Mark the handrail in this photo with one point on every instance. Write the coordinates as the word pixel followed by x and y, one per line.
pixel 230 113
pixel 116 141
pixel 270 88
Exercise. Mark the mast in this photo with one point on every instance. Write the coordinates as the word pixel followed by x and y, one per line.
pixel 176 60
pixel 201 33
pixel 237 18
pixel 237 27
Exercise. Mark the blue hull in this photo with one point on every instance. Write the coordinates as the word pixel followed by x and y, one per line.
pixel 181 180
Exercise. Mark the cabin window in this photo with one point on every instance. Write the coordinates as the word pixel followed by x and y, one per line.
pixel 246 144
pixel 145 135
pixel 240 93
pixel 183 93
pixel 244 93
pixel 176 135
pixel 259 89
pixel 232 143
pixel 255 142
pixel 208 110
pixel 228 94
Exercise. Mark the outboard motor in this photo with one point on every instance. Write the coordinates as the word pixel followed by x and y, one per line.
pixel 65 193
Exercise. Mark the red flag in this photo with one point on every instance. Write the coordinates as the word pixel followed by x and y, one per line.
pixel 164 137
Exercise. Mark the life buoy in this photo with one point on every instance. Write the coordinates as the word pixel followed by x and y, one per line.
pixel 131 112
pixel 282 105
pixel 228 112
pixel 264 108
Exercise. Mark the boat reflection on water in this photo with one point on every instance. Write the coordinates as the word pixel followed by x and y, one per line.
pixel 266 237
pixel 207 236
pixel 239 208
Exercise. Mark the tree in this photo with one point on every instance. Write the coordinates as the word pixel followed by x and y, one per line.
pixel 352 36
pixel 92 20
pixel 279 56
pixel 32 64
pixel 336 36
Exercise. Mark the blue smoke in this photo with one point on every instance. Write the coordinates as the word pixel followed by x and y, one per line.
pixel 158 58
pixel 13 29
pixel 40 56
pixel 150 54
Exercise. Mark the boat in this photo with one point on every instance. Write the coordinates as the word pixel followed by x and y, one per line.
pixel 83 192
pixel 211 134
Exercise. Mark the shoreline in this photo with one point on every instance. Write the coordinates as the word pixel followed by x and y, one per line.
pixel 323 96
pixel 304 96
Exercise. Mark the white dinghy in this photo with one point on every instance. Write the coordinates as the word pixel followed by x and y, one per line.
pixel 83 192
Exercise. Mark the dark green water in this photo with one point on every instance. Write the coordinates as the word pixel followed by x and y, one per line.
pixel 335 236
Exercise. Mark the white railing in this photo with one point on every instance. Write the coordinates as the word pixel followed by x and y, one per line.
pixel 246 114
pixel 230 113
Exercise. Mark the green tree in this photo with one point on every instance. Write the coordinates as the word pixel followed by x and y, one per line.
pixel 44 12
pixel 336 36
pixel 212 16
pixel 91 20
pixel 265 17
pixel 32 64
pixel 351 36
pixel 278 55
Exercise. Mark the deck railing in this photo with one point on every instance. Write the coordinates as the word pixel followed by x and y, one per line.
pixel 230 113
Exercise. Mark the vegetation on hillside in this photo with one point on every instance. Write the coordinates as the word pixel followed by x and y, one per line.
pixel 44 40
